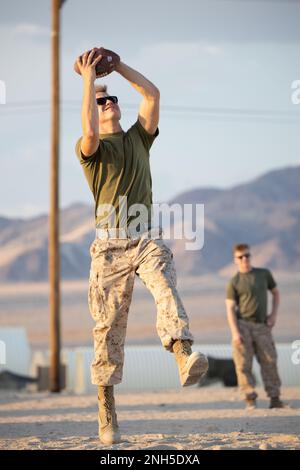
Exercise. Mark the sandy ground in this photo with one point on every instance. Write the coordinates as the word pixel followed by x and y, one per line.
pixel 193 418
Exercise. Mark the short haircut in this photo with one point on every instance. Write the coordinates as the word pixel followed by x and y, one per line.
pixel 240 247
pixel 101 88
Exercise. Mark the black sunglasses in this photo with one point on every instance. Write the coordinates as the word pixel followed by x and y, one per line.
pixel 101 101
pixel 245 255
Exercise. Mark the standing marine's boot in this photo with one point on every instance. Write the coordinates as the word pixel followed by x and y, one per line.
pixel 192 365
pixel 275 402
pixel 108 425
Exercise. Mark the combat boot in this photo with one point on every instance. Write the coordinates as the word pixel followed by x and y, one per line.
pixel 192 366
pixel 107 417
pixel 275 402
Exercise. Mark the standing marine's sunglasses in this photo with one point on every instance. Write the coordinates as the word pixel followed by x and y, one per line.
pixel 245 255
pixel 103 99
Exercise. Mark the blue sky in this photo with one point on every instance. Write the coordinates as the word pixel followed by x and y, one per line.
pixel 224 69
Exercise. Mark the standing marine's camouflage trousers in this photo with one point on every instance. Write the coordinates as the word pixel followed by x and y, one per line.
pixel 258 342
pixel 114 264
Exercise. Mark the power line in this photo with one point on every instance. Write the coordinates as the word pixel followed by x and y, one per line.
pixel 73 106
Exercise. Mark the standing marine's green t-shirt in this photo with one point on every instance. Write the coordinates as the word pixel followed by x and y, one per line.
pixel 119 170
pixel 250 292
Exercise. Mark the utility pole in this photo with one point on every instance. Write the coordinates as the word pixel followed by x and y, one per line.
pixel 53 247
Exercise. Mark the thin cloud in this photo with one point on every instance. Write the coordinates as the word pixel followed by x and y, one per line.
pixel 30 29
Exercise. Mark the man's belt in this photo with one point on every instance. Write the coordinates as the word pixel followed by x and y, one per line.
pixel 128 232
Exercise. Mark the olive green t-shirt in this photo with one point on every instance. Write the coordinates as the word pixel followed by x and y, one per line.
pixel 120 167
pixel 250 292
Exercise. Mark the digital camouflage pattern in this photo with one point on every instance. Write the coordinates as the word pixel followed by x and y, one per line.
pixel 114 264
pixel 258 342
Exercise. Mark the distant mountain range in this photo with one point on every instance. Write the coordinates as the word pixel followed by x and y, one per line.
pixel 264 212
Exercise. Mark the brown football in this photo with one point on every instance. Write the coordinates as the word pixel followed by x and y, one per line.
pixel 106 65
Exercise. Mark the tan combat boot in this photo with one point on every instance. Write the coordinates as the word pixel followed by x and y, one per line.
pixel 108 425
pixel 192 365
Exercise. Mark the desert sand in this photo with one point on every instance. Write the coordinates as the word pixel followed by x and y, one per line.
pixel 193 418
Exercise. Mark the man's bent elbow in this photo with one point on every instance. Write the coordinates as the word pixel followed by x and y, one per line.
pixel 153 94
pixel 156 93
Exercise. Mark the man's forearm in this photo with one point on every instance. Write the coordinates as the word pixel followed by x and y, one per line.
pixel 138 81
pixel 89 111
pixel 232 320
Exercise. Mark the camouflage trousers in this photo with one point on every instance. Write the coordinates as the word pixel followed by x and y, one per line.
pixel 258 342
pixel 114 264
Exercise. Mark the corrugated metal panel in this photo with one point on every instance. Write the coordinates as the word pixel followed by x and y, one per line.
pixel 145 367
pixel 15 351
pixel 151 367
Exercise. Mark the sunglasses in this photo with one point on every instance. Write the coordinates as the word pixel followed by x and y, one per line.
pixel 101 101
pixel 245 255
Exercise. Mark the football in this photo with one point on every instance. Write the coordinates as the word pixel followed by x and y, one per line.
pixel 106 65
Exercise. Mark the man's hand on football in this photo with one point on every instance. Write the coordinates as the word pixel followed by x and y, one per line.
pixel 87 65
